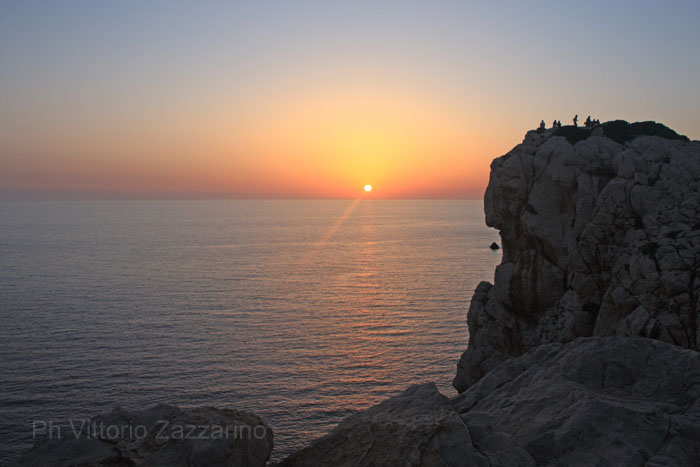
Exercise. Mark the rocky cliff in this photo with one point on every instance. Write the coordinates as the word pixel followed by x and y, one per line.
pixel 600 231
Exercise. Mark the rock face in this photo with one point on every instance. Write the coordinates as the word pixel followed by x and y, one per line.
pixel 162 436
pixel 600 238
pixel 594 401
pixel 416 428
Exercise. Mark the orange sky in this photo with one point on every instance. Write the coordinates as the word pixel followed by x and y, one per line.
pixel 314 140
pixel 316 99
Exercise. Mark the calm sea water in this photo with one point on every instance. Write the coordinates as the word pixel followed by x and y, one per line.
pixel 303 312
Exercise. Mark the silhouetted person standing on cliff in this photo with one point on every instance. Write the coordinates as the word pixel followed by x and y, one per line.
pixel 542 125
pixel 576 120
pixel 554 124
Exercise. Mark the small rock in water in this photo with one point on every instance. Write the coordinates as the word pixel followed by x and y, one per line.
pixel 494 246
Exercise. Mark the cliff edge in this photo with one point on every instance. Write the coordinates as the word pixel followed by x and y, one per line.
pixel 600 230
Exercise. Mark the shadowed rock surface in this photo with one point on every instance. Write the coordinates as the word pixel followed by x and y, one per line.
pixel 599 239
pixel 594 401
pixel 171 437
pixel 416 428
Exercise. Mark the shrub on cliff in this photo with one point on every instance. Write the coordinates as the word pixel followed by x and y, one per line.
pixel 620 131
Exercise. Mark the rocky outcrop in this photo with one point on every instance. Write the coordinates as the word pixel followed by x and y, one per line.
pixel 594 401
pixel 416 428
pixel 162 436
pixel 599 238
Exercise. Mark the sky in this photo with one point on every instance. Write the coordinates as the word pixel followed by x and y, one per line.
pixel 298 99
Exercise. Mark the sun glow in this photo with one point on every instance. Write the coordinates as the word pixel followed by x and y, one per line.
pixel 368 188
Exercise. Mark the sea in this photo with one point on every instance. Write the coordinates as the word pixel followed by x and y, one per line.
pixel 303 312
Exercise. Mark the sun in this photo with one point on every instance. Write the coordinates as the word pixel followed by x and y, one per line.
pixel 368 188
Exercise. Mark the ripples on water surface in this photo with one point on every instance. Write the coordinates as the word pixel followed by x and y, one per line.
pixel 300 311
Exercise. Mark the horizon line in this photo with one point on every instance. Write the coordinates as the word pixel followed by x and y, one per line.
pixel 317 198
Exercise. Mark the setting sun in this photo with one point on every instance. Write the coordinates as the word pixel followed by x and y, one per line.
pixel 368 188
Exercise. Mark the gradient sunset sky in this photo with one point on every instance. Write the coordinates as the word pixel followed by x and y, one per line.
pixel 316 99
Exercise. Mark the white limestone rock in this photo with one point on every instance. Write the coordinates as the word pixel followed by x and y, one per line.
pixel 592 233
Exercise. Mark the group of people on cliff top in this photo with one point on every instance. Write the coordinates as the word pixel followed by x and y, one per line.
pixel 555 124
pixel 589 123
